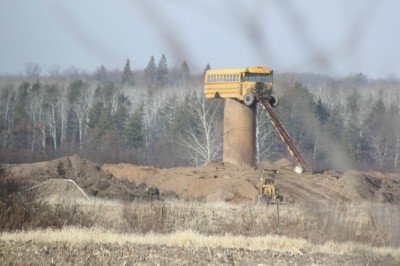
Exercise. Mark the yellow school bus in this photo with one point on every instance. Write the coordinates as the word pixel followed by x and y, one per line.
pixel 248 85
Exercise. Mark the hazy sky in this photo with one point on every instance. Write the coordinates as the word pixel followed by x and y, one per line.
pixel 329 37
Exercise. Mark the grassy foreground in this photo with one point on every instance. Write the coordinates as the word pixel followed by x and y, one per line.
pixel 192 239
pixel 327 229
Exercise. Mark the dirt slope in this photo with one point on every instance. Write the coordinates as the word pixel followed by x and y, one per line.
pixel 49 178
pixel 218 181
pixel 209 182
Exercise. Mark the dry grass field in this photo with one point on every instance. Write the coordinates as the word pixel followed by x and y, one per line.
pixel 56 224
pixel 186 233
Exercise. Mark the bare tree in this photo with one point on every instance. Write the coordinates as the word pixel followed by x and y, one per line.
pixel 7 107
pixel 35 113
pixel 381 147
pixel 80 99
pixel 63 111
pixel 203 141
pixel 32 70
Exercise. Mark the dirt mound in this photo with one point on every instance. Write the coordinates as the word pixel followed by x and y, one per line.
pixel 211 181
pixel 57 190
pixel 226 182
pixel 373 186
pixel 88 175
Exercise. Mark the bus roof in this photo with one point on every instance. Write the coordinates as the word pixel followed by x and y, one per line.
pixel 251 69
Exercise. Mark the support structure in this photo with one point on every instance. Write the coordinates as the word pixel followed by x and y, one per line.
pixel 302 165
pixel 239 133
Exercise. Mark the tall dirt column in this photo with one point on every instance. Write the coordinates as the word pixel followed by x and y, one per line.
pixel 239 133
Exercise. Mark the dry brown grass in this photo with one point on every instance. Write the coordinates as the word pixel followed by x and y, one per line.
pixel 374 224
pixel 370 224
pixel 22 209
pixel 81 236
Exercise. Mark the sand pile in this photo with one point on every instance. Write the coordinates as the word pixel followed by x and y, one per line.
pixel 226 182
pixel 88 175
pixel 209 182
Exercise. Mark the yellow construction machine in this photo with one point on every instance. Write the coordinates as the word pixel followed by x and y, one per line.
pixel 268 192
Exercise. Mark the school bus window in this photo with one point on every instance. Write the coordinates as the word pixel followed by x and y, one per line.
pixel 256 77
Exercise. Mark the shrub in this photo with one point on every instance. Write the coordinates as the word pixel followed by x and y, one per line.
pixel 21 209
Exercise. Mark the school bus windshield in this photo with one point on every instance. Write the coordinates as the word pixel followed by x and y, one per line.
pixel 257 77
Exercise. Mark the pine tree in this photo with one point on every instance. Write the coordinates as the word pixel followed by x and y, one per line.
pixel 321 112
pixel 185 72
pixel 150 73
pixel 334 124
pixel 101 74
pixel 353 132
pixel 162 72
pixel 206 68
pixel 121 116
pixel 135 129
pixel 21 125
pixel 127 75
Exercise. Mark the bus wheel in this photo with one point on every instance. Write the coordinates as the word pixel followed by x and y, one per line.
pixel 249 99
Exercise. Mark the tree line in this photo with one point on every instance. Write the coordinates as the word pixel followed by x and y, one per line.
pixel 158 116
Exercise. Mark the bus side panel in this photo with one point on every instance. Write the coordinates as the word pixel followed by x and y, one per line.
pixel 223 90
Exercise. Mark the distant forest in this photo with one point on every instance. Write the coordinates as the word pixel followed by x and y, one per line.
pixel 158 116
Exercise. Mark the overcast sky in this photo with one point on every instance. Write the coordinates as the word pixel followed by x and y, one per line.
pixel 328 37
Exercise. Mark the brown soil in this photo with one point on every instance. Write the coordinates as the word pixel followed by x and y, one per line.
pixel 50 179
pixel 209 182
pixel 226 182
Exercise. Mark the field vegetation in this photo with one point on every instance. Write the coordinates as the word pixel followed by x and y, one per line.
pixel 368 224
